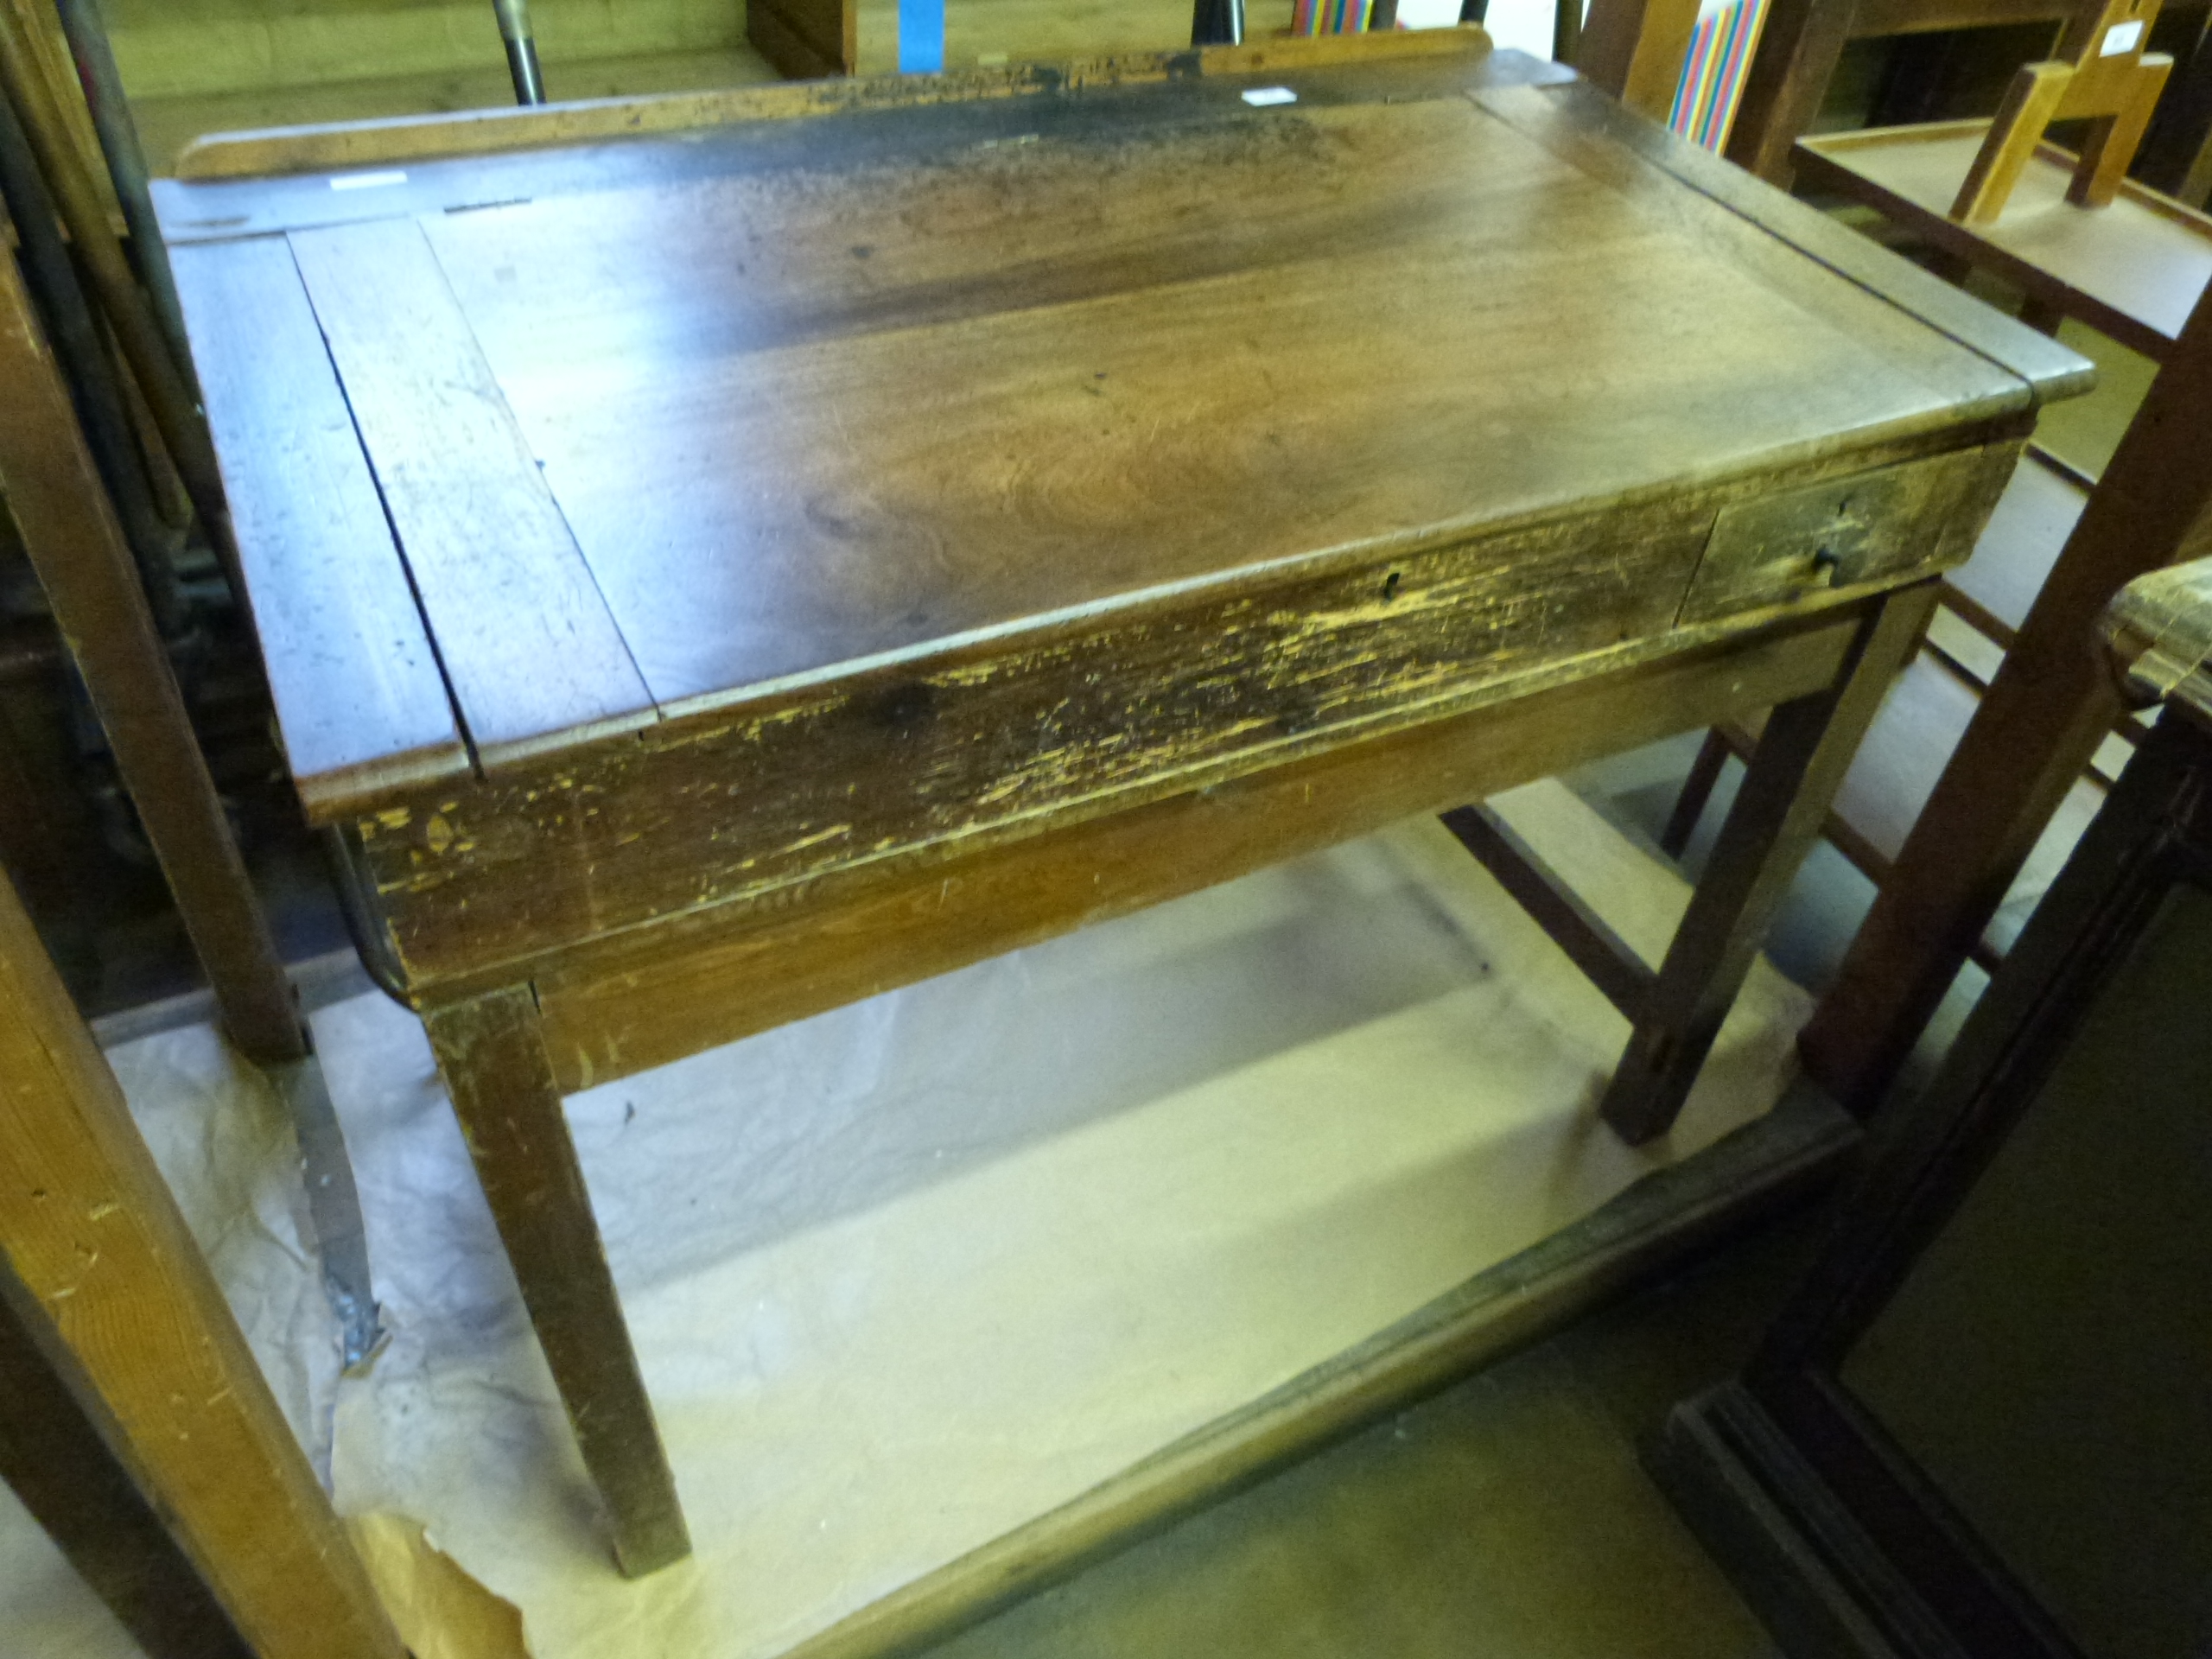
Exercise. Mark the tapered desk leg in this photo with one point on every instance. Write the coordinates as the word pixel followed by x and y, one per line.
pixel 1791 782
pixel 492 1052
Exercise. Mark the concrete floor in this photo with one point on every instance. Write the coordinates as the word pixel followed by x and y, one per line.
pixel 1507 1517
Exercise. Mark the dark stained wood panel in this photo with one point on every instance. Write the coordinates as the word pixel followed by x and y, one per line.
pixel 864 412
pixel 649 996
pixel 358 696
pixel 528 645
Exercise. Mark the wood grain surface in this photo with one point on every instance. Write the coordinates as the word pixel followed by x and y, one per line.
pixel 525 639
pixel 956 470
pixel 789 416
pixel 359 698
pixel 865 414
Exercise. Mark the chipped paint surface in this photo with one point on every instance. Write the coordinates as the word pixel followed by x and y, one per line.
pixel 740 809
pixel 929 760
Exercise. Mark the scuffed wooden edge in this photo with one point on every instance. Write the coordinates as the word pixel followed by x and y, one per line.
pixel 2158 631
pixel 354 144
pixel 1654 1225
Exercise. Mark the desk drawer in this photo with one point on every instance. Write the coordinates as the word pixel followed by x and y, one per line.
pixel 1921 516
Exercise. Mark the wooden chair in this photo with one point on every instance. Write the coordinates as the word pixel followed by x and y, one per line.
pixel 2102 75
pixel 2134 272
pixel 2049 708
pixel 1804 41
pixel 135 1425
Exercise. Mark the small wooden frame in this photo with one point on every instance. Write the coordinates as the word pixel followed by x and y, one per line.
pixel 2102 76
pixel 1067 544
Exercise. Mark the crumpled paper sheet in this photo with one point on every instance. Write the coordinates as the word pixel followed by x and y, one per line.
pixel 910 1274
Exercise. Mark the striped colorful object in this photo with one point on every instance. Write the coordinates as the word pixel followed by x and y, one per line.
pixel 1331 16
pixel 1713 75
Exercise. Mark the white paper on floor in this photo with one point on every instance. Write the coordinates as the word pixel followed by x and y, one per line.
pixel 910 1274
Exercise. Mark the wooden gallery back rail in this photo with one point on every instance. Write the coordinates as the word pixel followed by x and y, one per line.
pixel 709 576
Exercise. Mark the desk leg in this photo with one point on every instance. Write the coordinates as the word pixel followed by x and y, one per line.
pixel 492 1052
pixel 1791 784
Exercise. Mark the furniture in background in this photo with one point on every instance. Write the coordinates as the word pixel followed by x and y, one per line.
pixel 84 498
pixel 137 1429
pixel 2131 266
pixel 2040 725
pixel 1024 592
pixel 1804 40
pixel 1979 1428
pixel 2133 270
pixel 2101 74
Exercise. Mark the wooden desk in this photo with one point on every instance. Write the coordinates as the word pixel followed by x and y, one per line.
pixel 709 577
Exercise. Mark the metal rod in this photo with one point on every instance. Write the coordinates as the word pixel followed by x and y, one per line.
pixel 126 166
pixel 175 411
pixel 522 50
pixel 98 399
pixel 1217 22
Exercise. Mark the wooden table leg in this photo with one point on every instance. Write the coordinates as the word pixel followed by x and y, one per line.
pixel 1791 782
pixel 492 1052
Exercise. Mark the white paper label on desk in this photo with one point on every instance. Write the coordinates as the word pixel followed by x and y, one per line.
pixel 367 180
pixel 1260 97
pixel 2120 37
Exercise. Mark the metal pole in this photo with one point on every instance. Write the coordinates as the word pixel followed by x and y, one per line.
pixel 522 50
pixel 1217 22
pixel 126 165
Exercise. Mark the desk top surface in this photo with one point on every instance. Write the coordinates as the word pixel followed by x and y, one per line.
pixel 565 440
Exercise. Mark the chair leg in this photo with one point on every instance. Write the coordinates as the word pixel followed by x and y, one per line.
pixel 56 1457
pixel 1697 790
pixel 1791 784
pixel 491 1051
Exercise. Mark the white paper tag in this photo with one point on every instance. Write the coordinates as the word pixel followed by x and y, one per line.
pixel 366 181
pixel 2120 37
pixel 1260 97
